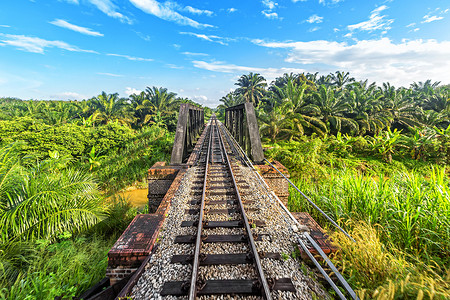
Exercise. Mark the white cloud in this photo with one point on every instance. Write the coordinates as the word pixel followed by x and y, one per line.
pixel 269 4
pixel 172 66
pixel 314 29
pixel 109 74
pixel 35 44
pixel 375 22
pixel 270 15
pixel 197 11
pixel 268 73
pixel 194 54
pixel 411 25
pixel 314 19
pixel 145 37
pixel 130 91
pixel 166 12
pixel 202 99
pixel 209 38
pixel 324 2
pixel 130 57
pixel 428 18
pixel 435 15
pixel 72 1
pixel 68 96
pixel 6 26
pixel 378 60
pixel 110 9
pixel 192 10
pixel 67 25
pixel 231 10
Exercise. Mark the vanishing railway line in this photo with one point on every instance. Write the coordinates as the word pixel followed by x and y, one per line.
pixel 221 232
pixel 217 207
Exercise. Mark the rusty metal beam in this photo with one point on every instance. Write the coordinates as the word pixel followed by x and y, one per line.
pixel 189 125
pixel 241 121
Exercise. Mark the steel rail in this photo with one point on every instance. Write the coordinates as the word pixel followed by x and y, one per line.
pixel 249 164
pixel 341 279
pixel 262 182
pixel 196 262
pixel 322 271
pixel 312 203
pixel 265 286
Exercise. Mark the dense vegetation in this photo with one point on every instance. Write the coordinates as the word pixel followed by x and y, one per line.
pixel 61 162
pixel 375 159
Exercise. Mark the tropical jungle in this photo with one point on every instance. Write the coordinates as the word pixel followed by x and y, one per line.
pixel 374 158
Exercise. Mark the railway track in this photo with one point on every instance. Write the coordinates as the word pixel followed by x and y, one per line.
pixel 222 233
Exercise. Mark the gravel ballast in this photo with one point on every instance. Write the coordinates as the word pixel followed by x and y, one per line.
pixel 278 236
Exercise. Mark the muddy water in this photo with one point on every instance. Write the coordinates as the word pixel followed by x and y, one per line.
pixel 137 198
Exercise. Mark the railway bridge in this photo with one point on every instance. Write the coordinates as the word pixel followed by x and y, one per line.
pixel 219 226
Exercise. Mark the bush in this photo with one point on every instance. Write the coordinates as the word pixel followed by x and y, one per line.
pixel 67 139
pixel 109 138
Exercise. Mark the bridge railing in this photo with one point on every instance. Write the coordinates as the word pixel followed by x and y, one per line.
pixel 190 124
pixel 241 122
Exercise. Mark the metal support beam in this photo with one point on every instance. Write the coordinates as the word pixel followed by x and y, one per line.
pixel 189 126
pixel 241 121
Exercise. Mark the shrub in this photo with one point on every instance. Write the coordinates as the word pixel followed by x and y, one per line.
pixel 110 137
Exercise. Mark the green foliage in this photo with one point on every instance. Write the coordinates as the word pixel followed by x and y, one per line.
pixel 385 143
pixel 44 198
pixel 56 227
pixel 129 166
pixel 414 210
pixel 63 269
pixel 295 105
pixel 68 139
pixel 110 137
pixel 403 205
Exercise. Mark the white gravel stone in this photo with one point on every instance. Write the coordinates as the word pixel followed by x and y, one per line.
pixel 280 234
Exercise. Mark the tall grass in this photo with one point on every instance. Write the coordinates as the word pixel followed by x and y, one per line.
pixel 63 269
pixel 380 273
pixel 412 209
pixel 398 212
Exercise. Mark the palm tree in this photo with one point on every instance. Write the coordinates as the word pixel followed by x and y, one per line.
pixel 438 100
pixel 386 143
pixel 142 107
pixel 340 79
pixel 367 108
pixel 272 123
pixel 330 107
pixel 424 87
pixel 231 99
pixel 44 199
pixel 161 99
pixel 402 109
pixel 294 106
pixel 252 87
pixel 109 108
pixel 164 103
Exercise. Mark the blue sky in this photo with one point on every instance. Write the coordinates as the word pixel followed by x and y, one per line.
pixel 75 49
